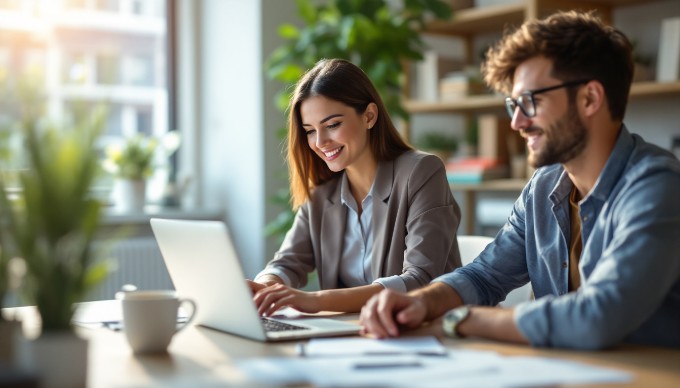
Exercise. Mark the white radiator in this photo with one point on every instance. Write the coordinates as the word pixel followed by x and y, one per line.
pixel 136 261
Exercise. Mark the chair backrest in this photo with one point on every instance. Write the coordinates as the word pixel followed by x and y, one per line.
pixel 470 247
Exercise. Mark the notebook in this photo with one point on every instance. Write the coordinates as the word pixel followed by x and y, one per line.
pixel 204 266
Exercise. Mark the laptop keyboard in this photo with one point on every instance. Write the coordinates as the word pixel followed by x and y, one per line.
pixel 271 325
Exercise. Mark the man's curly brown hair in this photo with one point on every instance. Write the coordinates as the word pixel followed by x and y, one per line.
pixel 580 46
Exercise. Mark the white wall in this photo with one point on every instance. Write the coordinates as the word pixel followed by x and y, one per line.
pixel 226 111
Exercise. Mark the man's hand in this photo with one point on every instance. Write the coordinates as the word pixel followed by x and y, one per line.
pixel 382 315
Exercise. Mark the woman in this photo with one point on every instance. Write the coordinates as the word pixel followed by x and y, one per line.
pixel 372 213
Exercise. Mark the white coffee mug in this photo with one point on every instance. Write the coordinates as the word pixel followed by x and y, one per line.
pixel 150 318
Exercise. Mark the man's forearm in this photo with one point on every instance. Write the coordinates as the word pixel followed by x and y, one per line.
pixel 438 298
pixel 492 323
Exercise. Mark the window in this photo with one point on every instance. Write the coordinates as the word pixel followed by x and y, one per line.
pixel 83 54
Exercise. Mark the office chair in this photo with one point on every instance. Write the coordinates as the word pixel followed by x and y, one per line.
pixel 470 247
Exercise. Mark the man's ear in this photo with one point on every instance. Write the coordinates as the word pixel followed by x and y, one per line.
pixel 371 115
pixel 594 98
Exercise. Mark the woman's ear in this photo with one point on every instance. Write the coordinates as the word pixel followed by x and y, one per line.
pixel 371 115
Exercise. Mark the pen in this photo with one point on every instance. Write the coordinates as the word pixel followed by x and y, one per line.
pixel 387 364
pixel 393 353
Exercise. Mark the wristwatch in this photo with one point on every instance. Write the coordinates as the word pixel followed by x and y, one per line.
pixel 453 318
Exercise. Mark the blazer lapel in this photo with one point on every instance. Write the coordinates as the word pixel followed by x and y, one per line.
pixel 382 189
pixel 332 233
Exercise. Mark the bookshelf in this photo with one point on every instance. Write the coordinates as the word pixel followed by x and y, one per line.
pixel 495 103
pixel 467 25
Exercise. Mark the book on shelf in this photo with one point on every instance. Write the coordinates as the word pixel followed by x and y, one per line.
pixel 475 170
pixel 429 72
pixel 459 84
pixel 668 63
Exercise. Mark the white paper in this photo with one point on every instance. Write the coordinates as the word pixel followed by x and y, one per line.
pixel 369 346
pixel 457 368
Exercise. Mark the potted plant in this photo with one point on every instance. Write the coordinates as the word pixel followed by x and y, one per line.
pixel 377 35
pixel 132 163
pixel 9 328
pixel 52 226
pixel 438 143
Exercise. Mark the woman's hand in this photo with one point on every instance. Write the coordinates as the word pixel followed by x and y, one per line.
pixel 270 299
pixel 262 282
pixel 255 286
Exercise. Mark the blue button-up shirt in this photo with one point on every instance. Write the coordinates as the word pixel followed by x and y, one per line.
pixel 355 265
pixel 630 263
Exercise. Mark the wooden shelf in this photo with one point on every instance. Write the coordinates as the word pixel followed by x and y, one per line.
pixel 494 103
pixel 473 21
pixel 654 89
pixel 492 185
pixel 481 103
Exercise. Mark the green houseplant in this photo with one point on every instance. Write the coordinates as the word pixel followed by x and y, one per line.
pixel 377 35
pixel 133 159
pixel 53 223
pixel 132 162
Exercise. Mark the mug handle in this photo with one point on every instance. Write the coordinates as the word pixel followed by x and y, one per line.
pixel 191 317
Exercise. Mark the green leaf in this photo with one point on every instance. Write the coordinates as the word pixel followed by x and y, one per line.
pixel 288 31
pixel 440 9
pixel 306 10
pixel 348 33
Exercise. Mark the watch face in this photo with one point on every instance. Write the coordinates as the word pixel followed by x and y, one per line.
pixel 452 318
pixel 459 314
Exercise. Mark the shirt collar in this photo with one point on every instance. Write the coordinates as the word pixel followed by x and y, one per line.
pixel 613 168
pixel 346 197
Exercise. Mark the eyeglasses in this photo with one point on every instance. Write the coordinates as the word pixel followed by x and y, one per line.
pixel 525 101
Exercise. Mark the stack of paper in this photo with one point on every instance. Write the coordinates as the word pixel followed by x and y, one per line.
pixel 409 362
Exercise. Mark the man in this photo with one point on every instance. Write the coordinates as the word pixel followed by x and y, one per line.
pixel 597 228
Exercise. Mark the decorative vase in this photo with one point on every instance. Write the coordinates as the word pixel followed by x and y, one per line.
pixel 129 195
pixel 58 358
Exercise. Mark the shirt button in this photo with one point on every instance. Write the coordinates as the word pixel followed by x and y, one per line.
pixel 565 265
pixel 586 218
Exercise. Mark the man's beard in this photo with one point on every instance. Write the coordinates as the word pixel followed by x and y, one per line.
pixel 564 140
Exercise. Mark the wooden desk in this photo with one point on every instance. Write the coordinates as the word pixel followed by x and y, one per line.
pixel 200 357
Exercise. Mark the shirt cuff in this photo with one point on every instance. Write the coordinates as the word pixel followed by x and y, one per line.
pixel 532 320
pixel 459 282
pixel 277 272
pixel 392 282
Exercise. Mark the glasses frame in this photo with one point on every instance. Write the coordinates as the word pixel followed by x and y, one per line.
pixel 525 100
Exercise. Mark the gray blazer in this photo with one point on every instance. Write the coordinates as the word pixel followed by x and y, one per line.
pixel 414 215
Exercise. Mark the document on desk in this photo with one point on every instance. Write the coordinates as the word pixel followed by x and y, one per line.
pixel 428 345
pixel 455 368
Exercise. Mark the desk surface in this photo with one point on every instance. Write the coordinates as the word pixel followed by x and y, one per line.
pixel 200 356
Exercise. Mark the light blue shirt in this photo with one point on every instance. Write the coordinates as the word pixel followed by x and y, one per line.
pixel 355 264
pixel 630 264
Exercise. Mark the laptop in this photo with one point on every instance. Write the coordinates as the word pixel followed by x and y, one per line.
pixel 204 266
